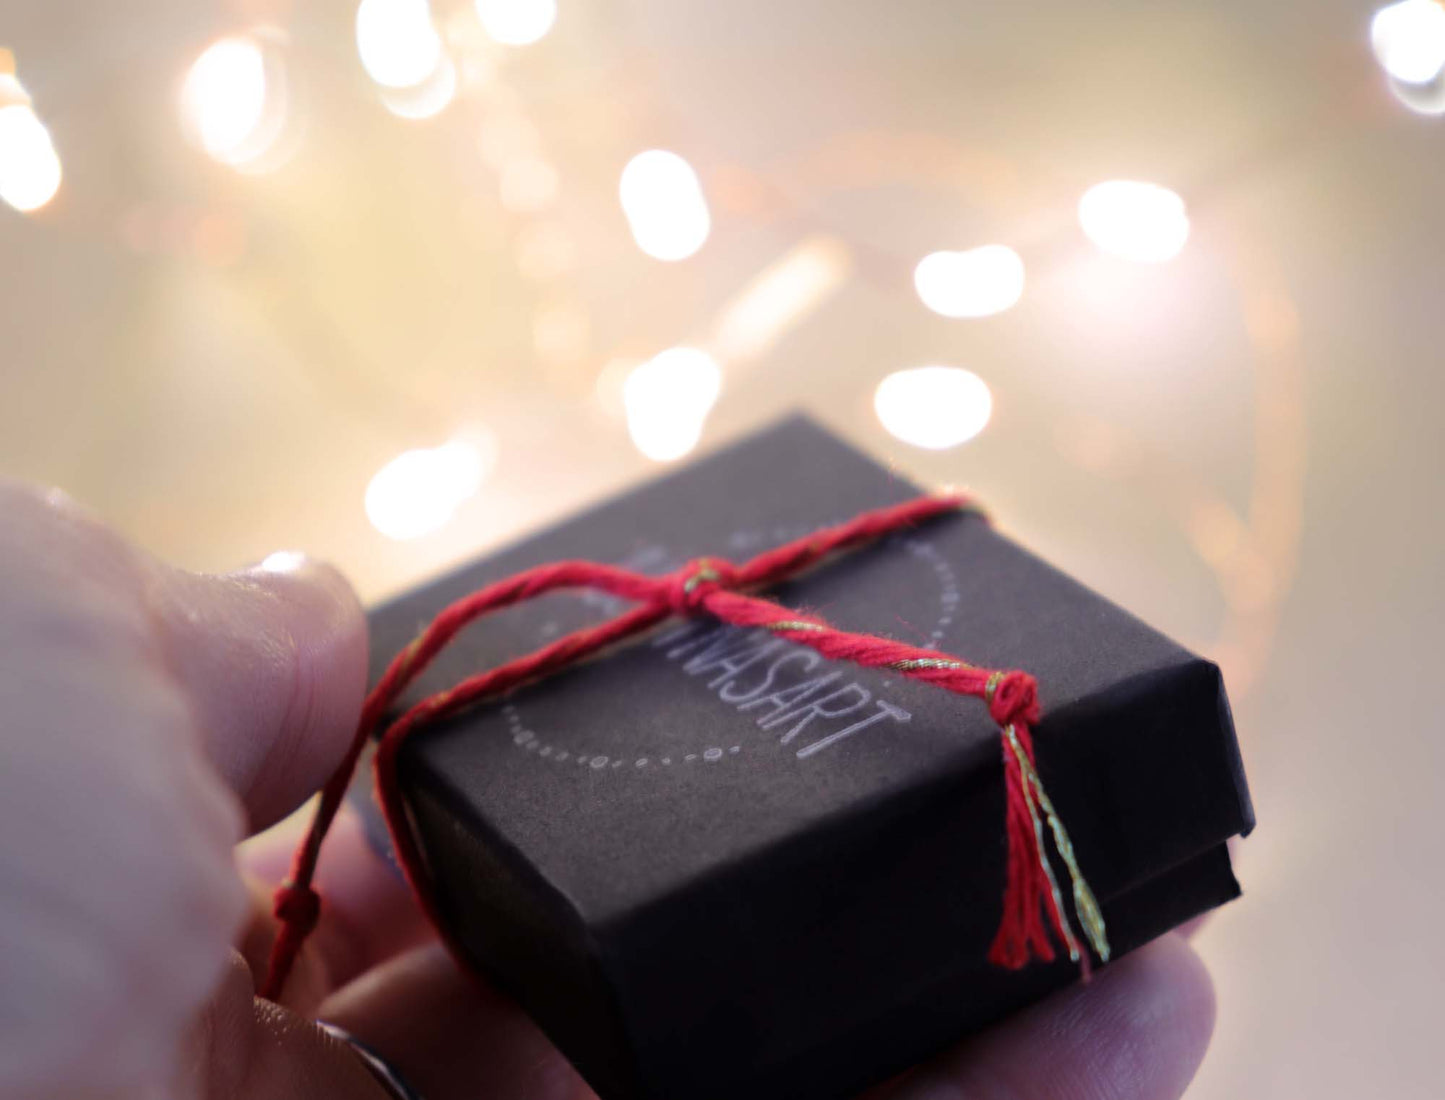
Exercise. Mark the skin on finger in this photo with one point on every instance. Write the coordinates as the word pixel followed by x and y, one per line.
pixel 273 661
pixel 1138 1031
pixel 450 1034
pixel 243 1046
pixel 368 912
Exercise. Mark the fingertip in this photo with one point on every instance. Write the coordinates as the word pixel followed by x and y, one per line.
pixel 273 659
pixel 320 628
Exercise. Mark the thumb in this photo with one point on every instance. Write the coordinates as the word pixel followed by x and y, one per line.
pixel 273 662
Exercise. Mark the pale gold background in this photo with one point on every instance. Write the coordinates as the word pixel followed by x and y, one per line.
pixel 1243 446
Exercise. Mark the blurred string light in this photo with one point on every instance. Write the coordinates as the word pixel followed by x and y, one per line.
pixel 516 22
pixel 29 165
pixel 233 100
pixel 976 283
pixel 398 42
pixel 1135 221
pixel 419 491
pixel 933 407
pixel 1409 40
pixel 664 205
pixel 780 296
pixel 667 400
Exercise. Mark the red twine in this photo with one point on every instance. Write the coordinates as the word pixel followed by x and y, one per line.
pixel 708 586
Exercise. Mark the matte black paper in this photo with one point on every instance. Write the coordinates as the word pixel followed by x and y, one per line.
pixel 712 865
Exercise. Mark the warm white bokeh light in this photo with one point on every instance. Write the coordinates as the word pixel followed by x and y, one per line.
pixel 664 204
pixel 667 400
pixel 1423 99
pixel 224 100
pixel 516 22
pixel 1134 220
pixel 29 165
pixel 1409 40
pixel 978 282
pixel 398 42
pixel 429 98
pixel 933 407
pixel 419 491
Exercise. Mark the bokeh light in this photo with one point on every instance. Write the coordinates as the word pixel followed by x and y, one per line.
pixel 978 282
pixel 664 204
pixel 516 22
pixel 667 400
pixel 934 407
pixel 398 42
pixel 1409 40
pixel 231 104
pixel 29 166
pixel 425 100
pixel 1423 99
pixel 419 491
pixel 1135 221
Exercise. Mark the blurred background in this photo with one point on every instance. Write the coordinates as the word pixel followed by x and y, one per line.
pixel 1162 282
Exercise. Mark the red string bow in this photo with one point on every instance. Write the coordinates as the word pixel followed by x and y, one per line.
pixel 710 586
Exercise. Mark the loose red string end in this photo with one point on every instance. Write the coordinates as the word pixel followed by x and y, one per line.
pixel 1032 903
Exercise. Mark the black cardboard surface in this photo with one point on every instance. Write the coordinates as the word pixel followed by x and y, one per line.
pixel 700 896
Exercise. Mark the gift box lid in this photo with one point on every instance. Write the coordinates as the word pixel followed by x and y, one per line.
pixel 713 864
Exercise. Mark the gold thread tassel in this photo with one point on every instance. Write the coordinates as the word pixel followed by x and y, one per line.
pixel 1085 904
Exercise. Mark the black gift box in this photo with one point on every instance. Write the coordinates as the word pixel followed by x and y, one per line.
pixel 714 866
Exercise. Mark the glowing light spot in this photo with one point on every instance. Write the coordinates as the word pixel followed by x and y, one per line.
pixel 977 283
pixel 224 95
pixel 516 22
pixel 664 204
pixel 419 491
pixel 397 41
pixel 1135 221
pixel 283 561
pixel 667 400
pixel 29 165
pixel 1423 99
pixel 1409 40
pixel 933 407
pixel 233 100
pixel 429 98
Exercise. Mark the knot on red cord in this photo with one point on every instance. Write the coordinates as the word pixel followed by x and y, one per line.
pixel 690 586
pixel 1014 697
pixel 298 907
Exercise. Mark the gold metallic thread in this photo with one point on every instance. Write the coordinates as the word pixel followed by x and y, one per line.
pixel 1064 926
pixel 912 664
pixel 1085 904
pixel 793 624
pixel 705 572
pixel 991 687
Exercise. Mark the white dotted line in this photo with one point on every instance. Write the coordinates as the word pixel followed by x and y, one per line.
pixel 527 740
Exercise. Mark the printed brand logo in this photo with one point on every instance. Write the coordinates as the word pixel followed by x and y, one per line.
pixel 805 704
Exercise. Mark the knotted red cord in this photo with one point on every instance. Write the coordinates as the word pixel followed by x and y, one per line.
pixel 708 586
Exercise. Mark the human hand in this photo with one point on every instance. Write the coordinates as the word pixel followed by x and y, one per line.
pixel 152 717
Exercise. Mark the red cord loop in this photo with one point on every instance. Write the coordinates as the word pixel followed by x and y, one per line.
pixel 1015 699
pixel 298 907
pixel 688 588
